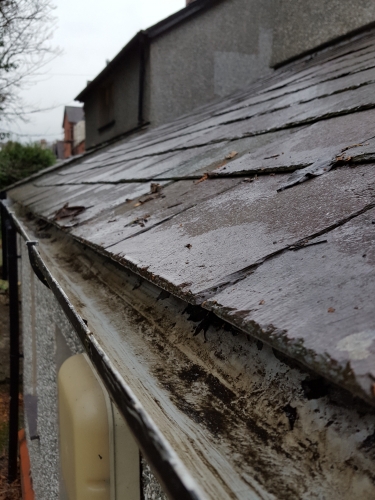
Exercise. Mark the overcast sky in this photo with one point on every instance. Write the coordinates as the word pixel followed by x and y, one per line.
pixel 89 32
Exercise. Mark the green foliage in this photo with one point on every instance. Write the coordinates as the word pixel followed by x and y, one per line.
pixel 18 161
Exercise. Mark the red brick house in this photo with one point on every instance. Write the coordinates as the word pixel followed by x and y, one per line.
pixel 73 115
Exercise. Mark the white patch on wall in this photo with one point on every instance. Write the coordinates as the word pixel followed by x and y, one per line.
pixel 79 132
pixel 357 345
pixel 235 70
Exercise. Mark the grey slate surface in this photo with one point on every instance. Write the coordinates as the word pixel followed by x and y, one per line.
pixel 74 113
pixel 194 206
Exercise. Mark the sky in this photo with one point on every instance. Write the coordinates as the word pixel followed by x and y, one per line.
pixel 89 32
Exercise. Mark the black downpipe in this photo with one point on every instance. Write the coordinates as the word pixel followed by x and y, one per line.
pixel 3 237
pixel 142 78
pixel 12 260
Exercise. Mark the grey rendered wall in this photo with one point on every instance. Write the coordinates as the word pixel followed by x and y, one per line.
pixel 210 55
pixel 302 25
pixel 126 88
pixel 48 340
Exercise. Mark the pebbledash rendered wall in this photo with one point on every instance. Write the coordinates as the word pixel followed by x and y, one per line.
pixel 302 25
pixel 125 81
pixel 48 340
pixel 228 46
pixel 214 53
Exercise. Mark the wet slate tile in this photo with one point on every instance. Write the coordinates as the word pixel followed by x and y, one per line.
pixel 292 116
pixel 312 103
pixel 304 146
pixel 347 65
pixel 45 198
pixel 124 221
pixel 95 198
pixel 308 92
pixel 172 142
pixel 326 61
pixel 360 152
pixel 241 227
pixel 57 198
pixel 113 172
pixel 300 89
pixel 28 193
pixel 316 304
pixel 179 164
pixel 107 197
pixel 314 76
pixel 190 163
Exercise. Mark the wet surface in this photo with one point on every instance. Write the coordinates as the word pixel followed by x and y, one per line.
pixel 315 303
pixel 241 227
pixel 245 419
pixel 131 218
pixel 216 220
pixel 301 147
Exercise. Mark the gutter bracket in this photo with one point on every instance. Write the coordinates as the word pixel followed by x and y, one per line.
pixel 30 245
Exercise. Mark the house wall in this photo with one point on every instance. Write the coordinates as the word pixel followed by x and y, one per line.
pixel 79 138
pixel 210 55
pixel 216 52
pixel 79 132
pixel 125 82
pixel 79 149
pixel 48 340
pixel 302 25
pixel 68 137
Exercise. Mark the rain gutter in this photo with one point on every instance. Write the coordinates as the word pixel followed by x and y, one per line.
pixel 174 477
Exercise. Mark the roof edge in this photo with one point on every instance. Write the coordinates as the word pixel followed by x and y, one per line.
pixel 169 22
pixel 362 30
pixel 107 69
pixel 150 33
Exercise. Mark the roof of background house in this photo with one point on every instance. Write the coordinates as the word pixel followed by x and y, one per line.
pixel 157 29
pixel 260 208
pixel 74 114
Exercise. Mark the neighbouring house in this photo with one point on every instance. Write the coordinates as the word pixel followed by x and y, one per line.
pixel 204 52
pixel 177 65
pixel 74 131
pixel 197 297
pixel 79 134
pixel 58 149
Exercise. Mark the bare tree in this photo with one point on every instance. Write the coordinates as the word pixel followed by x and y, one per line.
pixel 26 28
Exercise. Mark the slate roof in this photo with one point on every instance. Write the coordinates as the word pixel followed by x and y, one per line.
pixel 74 114
pixel 260 208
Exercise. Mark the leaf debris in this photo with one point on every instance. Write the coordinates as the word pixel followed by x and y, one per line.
pixel 67 211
